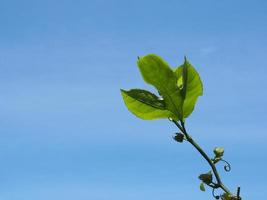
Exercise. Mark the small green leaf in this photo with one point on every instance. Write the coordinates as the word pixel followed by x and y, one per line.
pixel 157 72
pixel 191 87
pixel 218 151
pixel 145 105
pixel 202 187
pixel 179 137
pixel 206 178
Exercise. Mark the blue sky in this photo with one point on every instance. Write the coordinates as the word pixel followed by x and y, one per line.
pixel 64 130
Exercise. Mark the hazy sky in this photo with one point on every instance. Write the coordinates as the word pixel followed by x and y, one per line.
pixel 64 130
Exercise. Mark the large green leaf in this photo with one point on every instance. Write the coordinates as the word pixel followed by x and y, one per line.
pixel 156 72
pixel 145 105
pixel 191 87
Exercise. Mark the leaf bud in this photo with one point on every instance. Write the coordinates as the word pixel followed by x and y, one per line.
pixel 206 178
pixel 218 151
pixel 179 137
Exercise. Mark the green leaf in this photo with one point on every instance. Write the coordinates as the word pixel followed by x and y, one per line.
pixel 156 72
pixel 145 105
pixel 202 187
pixel 188 80
pixel 206 178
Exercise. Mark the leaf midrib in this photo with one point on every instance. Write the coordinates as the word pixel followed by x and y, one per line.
pixel 176 109
pixel 142 101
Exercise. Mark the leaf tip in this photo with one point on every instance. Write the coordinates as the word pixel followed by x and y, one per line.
pixel 185 59
pixel 122 91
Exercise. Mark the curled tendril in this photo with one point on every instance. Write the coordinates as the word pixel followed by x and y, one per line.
pixel 227 166
pixel 214 195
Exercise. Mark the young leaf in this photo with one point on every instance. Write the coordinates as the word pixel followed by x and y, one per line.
pixel 202 187
pixel 145 105
pixel 206 178
pixel 156 72
pixel 191 87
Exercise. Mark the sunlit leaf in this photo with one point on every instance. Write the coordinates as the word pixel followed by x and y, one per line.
pixel 188 80
pixel 157 72
pixel 145 105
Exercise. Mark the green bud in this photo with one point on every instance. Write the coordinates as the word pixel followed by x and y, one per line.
pixel 226 196
pixel 206 178
pixel 218 151
pixel 179 137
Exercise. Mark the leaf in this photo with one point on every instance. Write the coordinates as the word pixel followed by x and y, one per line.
pixel 206 178
pixel 145 105
pixel 156 72
pixel 202 187
pixel 191 87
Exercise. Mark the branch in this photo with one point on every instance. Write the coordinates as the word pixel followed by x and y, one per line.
pixel 204 155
